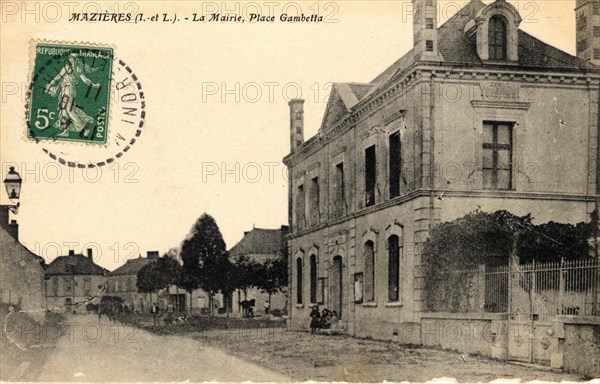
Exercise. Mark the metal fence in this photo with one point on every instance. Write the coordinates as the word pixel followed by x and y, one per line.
pixel 537 291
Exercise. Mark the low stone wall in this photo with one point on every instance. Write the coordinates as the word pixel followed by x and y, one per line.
pixel 478 333
pixel 578 348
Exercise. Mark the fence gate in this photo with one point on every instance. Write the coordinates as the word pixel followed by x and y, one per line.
pixel 537 294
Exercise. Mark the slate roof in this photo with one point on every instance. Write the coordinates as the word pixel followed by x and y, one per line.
pixel 260 241
pixel 131 267
pixel 457 47
pixel 74 265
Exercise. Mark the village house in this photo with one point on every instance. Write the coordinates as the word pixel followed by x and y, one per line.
pixel 21 271
pixel 261 246
pixel 477 115
pixel 73 281
pixel 122 282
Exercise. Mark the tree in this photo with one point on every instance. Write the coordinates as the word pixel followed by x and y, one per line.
pixel 205 259
pixel 272 276
pixel 157 275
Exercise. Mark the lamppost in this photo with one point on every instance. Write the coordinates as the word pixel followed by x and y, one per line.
pixel 13 182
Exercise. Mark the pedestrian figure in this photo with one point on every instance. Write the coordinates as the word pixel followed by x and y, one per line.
pixel 267 306
pixel 252 303
pixel 315 320
pixel 154 311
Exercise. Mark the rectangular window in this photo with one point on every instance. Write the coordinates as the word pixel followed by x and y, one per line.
pixel 55 286
pixel 339 203
pixel 395 164
pixel 596 31
pixel 429 23
pixel 497 155
pixel 394 268
pixel 369 253
pixel 596 54
pixel 299 280
pixel 370 175
pixel 582 45
pixel 429 45
pixel 87 285
pixel 300 207
pixel 68 285
pixel 315 209
pixel 596 8
pixel 313 279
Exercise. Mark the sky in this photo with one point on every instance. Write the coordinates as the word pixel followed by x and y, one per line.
pixel 217 124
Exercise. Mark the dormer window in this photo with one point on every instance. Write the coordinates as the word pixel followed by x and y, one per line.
pixel 497 38
pixel 496 27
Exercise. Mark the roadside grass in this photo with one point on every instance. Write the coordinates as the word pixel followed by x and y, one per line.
pixel 199 323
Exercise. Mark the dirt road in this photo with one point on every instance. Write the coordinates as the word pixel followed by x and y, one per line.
pixel 93 351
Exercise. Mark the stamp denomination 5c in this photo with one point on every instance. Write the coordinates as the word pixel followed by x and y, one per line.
pixel 70 93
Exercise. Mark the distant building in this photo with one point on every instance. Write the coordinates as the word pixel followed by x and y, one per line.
pixel 260 245
pixel 122 282
pixel 21 271
pixel 74 280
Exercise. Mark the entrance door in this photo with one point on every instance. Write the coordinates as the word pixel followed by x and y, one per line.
pixel 337 286
pixel 530 321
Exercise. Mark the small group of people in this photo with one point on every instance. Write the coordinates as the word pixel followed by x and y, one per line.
pixel 322 320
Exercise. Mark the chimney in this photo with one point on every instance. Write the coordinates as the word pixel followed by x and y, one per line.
pixel 90 254
pixel 425 34
pixel 13 229
pixel 71 252
pixel 152 255
pixel 296 123
pixel 9 225
pixel 587 19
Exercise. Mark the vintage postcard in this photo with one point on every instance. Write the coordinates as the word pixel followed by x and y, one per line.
pixel 300 191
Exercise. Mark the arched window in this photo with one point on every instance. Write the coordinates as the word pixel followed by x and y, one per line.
pixel 497 38
pixel 393 268
pixel 369 271
pixel 299 280
pixel 313 279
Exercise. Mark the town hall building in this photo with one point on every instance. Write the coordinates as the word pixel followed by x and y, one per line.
pixel 478 115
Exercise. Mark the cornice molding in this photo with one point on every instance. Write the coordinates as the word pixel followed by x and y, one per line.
pixel 422 71
pixel 544 196
pixel 520 105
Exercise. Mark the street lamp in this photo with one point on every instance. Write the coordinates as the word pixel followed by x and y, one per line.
pixel 13 182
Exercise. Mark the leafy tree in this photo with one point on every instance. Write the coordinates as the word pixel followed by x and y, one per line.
pixel 159 274
pixel 272 276
pixel 205 259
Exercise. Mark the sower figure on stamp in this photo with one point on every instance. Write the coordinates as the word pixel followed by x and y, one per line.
pixel 71 117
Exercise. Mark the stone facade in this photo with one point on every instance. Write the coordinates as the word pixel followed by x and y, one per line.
pixel 261 246
pixel 588 30
pixel 21 271
pixel 429 141
pixel 73 281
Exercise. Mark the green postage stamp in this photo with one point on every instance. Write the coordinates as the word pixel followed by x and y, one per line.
pixel 70 93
